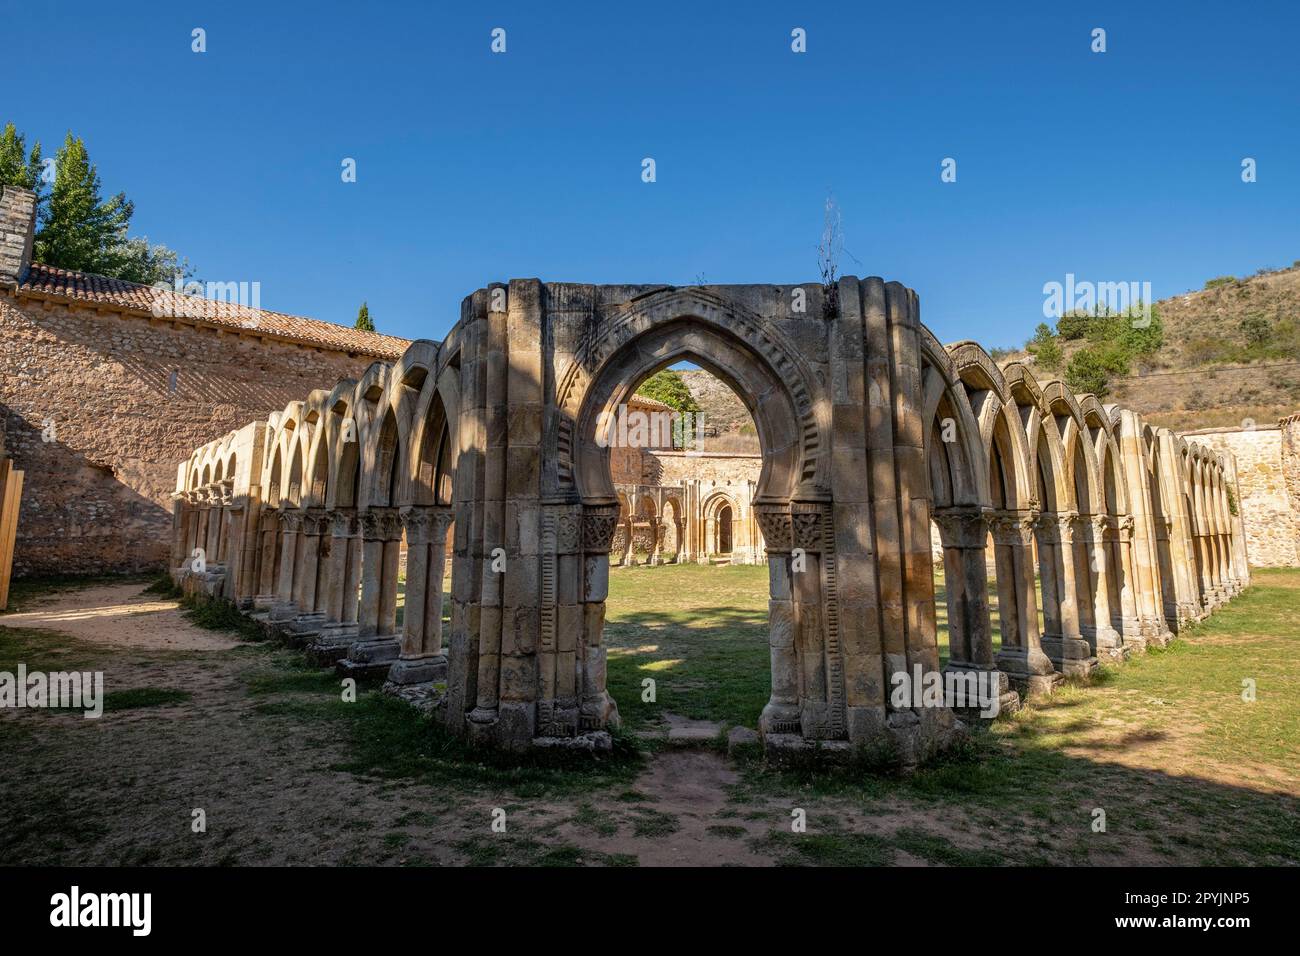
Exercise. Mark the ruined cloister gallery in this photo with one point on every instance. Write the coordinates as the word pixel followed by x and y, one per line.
pixel 869 429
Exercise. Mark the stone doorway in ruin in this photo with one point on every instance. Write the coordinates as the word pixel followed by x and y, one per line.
pixel 766 395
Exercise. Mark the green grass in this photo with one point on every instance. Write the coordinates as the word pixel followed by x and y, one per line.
pixel 221 616
pixel 699 632
pixel 137 697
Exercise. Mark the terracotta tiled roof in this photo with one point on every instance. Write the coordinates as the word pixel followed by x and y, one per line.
pixel 47 281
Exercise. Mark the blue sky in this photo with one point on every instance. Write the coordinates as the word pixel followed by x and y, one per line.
pixel 475 167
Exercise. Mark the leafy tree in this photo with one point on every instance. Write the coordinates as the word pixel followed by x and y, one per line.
pixel 1045 349
pixel 15 169
pixel 77 228
pixel 1073 325
pixel 363 319
pixel 80 230
pixel 1141 335
pixel 669 387
pixel 1092 368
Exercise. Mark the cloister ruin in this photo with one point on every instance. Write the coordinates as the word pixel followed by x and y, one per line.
pixel 869 429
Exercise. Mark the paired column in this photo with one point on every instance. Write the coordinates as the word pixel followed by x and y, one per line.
pixel 290 530
pixel 1063 643
pixel 422 660
pixel 1021 656
pixel 1131 630
pixel 1108 644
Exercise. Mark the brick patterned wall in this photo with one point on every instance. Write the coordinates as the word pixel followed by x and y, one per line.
pixel 96 496
pixel 1269 480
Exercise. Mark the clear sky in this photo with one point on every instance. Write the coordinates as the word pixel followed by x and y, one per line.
pixel 475 167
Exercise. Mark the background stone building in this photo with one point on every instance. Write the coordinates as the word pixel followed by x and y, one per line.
pixel 1268 474
pixel 105 384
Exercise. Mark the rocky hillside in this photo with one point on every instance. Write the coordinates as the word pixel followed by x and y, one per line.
pixel 1230 352
pixel 724 411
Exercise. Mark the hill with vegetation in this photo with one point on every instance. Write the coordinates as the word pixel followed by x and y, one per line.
pixel 1216 357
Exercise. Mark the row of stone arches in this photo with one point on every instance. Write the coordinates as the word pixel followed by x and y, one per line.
pixel 869 428
pixel 694 522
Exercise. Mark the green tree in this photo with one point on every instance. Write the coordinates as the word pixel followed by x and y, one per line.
pixel 363 319
pixel 1045 349
pixel 80 230
pixel 1073 325
pixel 669 387
pixel 1092 368
pixel 77 228
pixel 15 168
pixel 1142 335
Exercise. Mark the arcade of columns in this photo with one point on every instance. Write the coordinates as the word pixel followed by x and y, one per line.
pixel 869 430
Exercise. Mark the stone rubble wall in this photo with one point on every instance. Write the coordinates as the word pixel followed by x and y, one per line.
pixel 98 385
pixel 1268 476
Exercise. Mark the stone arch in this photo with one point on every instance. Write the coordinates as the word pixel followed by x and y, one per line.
pixel 654 332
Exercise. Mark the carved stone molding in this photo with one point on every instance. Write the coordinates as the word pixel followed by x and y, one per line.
pixel 777 528
pixel 343 522
pixel 380 524
pixel 291 520
pixel 598 526
pixel 964 528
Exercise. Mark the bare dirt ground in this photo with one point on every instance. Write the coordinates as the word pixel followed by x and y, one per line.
pixel 119 615
pixel 281 771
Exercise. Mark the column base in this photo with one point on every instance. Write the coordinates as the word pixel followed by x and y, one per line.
pixel 1008 698
pixel 370 657
pixel 425 696
pixel 418 670
pixel 284 611
pixel 1072 656
pixel 1110 644
pixel 332 643
pixel 263 602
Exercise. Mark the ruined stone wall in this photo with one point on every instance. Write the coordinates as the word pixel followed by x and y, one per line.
pixel 99 407
pixel 671 468
pixel 1269 479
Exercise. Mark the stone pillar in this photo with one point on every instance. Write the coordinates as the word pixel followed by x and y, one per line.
pixel 1066 646
pixel 781 714
pixel 307 577
pixel 341 583
pixel 656 532
pixel 422 661
pixel 1130 622
pixel 378 645
pixel 269 551
pixel 1107 641
pixel 1021 656
pixel 1182 555
pixel 284 607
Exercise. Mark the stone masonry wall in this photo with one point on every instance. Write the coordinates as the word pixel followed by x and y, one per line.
pixel 1269 478
pixel 671 468
pixel 100 407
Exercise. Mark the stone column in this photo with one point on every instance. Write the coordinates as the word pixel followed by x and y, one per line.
pixel 308 574
pixel 269 549
pixel 1130 622
pixel 284 607
pixel 781 715
pixel 1182 557
pixel 1021 656
pixel 1109 644
pixel 656 531
pixel 970 641
pixel 1066 647
pixel 341 583
pixel 422 660
pixel 378 646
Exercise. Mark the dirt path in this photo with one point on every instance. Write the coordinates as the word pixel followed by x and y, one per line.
pixel 121 615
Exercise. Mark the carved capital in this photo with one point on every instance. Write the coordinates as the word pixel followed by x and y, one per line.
pixel 1014 528
pixel 962 528
pixel 598 526
pixel 777 528
pixel 343 522
pixel 291 520
pixel 315 521
pixel 380 524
